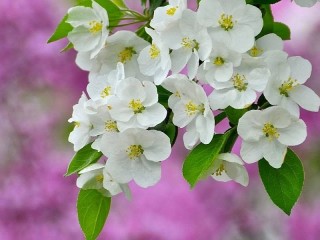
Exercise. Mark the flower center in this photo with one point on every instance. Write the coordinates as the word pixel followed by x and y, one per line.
pixel 191 108
pixel 190 44
pixel 220 170
pixel 136 106
pixel 239 82
pixel 111 126
pixel 134 151
pixel 270 131
pixel 219 61
pixel 105 92
pixel 76 124
pixel 126 54
pixel 154 51
pixel 226 22
pixel 255 51
pixel 95 27
pixel 171 11
pixel 287 86
pixel 99 178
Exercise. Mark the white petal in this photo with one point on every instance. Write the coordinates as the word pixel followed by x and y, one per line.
pixel 230 157
pixel 305 97
pixel 274 152
pixel 119 168
pixel 161 148
pixel 300 69
pixel 205 127
pixel 244 99
pixel 80 16
pixel 237 172
pixel 294 134
pixel 242 38
pixel 251 151
pixel 193 65
pixel 250 125
pixel 152 116
pixel 277 116
pixel 290 106
pixel 270 42
pixel 146 173
pixel 224 73
pixel 179 59
pixel 82 39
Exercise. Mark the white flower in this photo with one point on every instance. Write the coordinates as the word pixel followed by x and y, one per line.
pixel 136 105
pixel 122 46
pixel 165 17
pixel 229 166
pixel 241 90
pixel 89 28
pixel 190 42
pixel 266 134
pixel 190 106
pixel 268 50
pixel 102 123
pixel 95 176
pixel 306 3
pixel 136 154
pixel 219 65
pixel 285 87
pixel 154 60
pixel 102 87
pixel 80 136
pixel 232 22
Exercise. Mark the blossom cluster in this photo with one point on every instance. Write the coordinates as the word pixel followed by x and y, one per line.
pixel 208 60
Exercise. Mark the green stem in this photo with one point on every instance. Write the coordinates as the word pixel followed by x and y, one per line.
pixel 220 117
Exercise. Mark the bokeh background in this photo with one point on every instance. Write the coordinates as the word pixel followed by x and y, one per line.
pixel 39 85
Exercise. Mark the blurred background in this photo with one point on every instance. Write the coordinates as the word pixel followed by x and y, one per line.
pixel 38 87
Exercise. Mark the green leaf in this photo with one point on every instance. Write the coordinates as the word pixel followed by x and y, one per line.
pixel 163 96
pixel 200 160
pixel 93 209
pixel 68 47
pixel 61 31
pixel 84 157
pixel 141 32
pixel 120 3
pixel 282 30
pixel 284 185
pixel 267 21
pixel 235 114
pixel 172 132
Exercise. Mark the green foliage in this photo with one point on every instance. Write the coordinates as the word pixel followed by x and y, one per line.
pixel 84 157
pixel 155 4
pixel 61 31
pixel 141 32
pixel 269 26
pixel 235 114
pixel 282 30
pixel 172 132
pixel 284 185
pixel 93 209
pixel 256 2
pixel 200 160
pixel 164 95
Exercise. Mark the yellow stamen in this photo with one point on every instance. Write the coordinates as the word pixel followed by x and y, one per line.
pixel 270 131
pixel 111 126
pixel 190 44
pixel 136 106
pixel 171 11
pixel 191 108
pixel 154 51
pixel 220 170
pixel 106 92
pixel 95 27
pixel 239 82
pixel 99 178
pixel 126 54
pixel 219 61
pixel 134 151
pixel 287 86
pixel 76 124
pixel 255 51
pixel 226 22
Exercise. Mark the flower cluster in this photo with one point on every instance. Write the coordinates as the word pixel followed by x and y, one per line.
pixel 213 50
